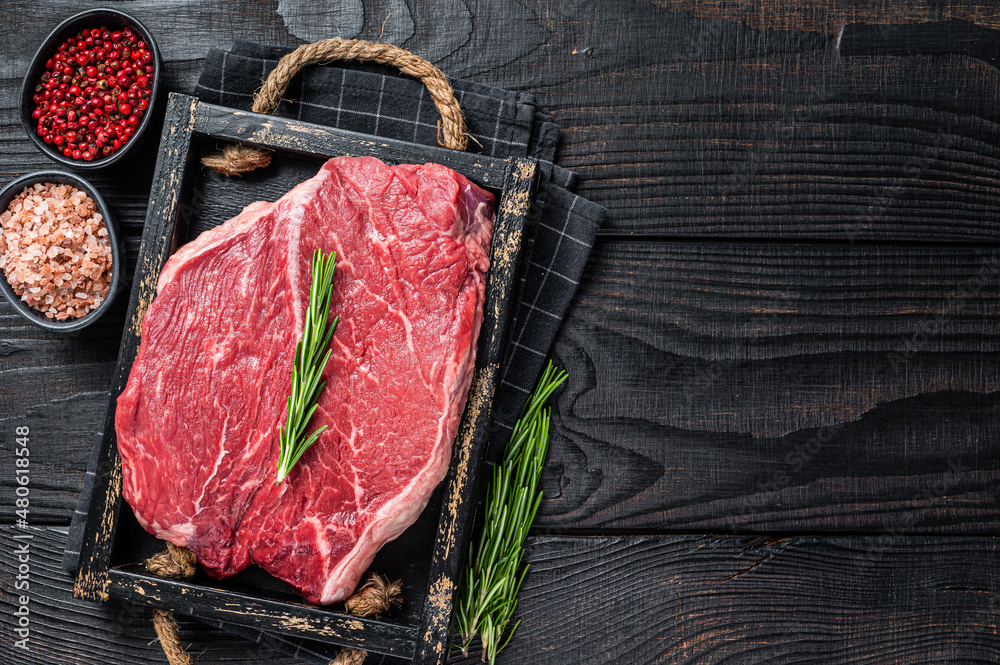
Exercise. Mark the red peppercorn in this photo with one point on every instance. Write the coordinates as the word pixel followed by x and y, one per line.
pixel 93 93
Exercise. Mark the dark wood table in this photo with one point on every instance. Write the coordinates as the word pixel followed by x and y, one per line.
pixel 779 441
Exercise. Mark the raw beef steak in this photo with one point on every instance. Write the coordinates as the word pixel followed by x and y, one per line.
pixel 198 422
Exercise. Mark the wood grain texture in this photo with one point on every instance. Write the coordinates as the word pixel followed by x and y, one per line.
pixel 755 387
pixel 56 385
pixel 695 383
pixel 69 631
pixel 679 600
pixel 779 388
pixel 829 16
pixel 697 126
pixel 804 146
pixel 737 601
pixel 694 126
pixel 691 126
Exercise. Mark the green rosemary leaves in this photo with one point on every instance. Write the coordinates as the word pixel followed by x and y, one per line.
pixel 311 355
pixel 493 575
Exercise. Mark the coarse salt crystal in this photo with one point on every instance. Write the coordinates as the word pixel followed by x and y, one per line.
pixel 53 247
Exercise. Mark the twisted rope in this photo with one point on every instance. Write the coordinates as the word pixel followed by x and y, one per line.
pixel 236 159
pixel 178 563
pixel 376 597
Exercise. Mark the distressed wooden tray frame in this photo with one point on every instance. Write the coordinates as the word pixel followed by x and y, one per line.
pixel 186 118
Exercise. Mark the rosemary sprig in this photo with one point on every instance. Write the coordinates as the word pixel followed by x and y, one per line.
pixel 493 574
pixel 311 355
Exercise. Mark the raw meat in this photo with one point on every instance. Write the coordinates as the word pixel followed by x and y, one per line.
pixel 199 419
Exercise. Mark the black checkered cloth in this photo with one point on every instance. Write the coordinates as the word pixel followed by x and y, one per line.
pixel 373 99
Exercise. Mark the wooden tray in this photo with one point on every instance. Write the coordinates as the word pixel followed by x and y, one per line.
pixel 187 199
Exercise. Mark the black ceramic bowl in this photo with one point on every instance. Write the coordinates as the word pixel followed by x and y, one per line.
pixel 8 193
pixel 93 18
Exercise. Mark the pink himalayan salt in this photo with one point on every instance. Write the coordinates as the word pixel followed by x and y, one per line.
pixel 55 251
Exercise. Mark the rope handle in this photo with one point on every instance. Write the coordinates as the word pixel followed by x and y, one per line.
pixel 376 597
pixel 236 159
